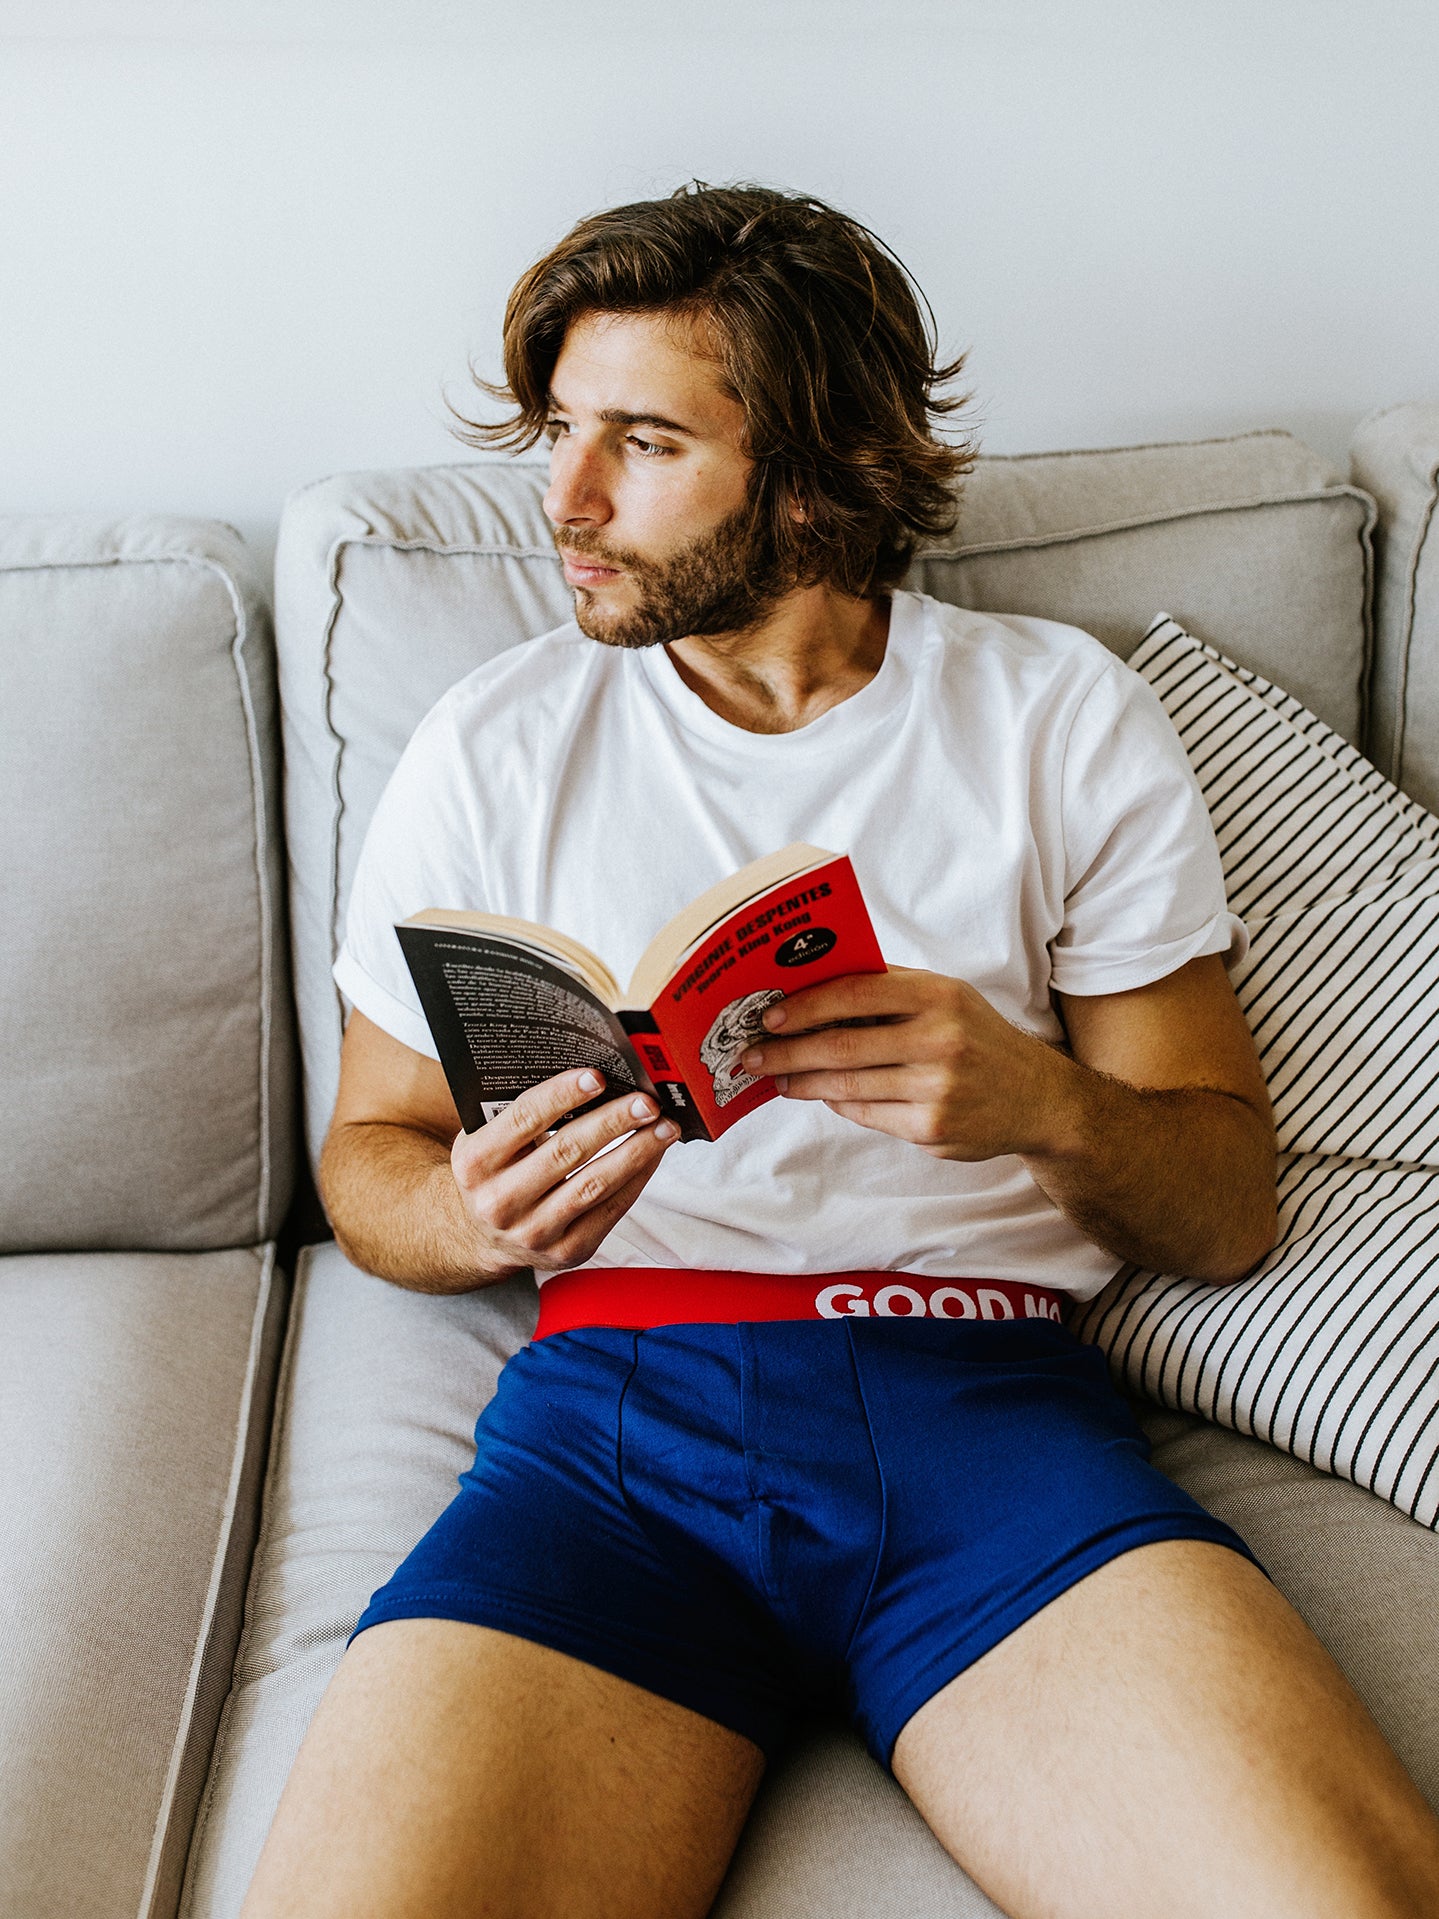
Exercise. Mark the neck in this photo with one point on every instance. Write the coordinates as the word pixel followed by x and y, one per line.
pixel 816 648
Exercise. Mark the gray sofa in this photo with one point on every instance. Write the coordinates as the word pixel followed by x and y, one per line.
pixel 220 1437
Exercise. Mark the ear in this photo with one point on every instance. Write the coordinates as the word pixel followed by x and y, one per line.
pixel 798 511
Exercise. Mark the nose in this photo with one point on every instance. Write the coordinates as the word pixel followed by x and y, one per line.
pixel 577 494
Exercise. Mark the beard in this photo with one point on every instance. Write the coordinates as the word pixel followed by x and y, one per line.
pixel 725 581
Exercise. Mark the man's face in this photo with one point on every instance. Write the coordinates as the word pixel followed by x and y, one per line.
pixel 649 485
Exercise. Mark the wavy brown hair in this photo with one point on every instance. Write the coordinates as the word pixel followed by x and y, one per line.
pixel 822 337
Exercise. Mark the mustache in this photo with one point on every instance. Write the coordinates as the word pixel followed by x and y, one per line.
pixel 590 546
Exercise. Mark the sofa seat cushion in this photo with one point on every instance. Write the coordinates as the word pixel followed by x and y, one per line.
pixel 135 1399
pixel 380 1392
pixel 1363 1576
pixel 378 1396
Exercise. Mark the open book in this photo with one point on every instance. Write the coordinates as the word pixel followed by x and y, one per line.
pixel 510 1003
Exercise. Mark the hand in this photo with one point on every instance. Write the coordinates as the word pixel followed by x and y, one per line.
pixel 940 1068
pixel 543 1199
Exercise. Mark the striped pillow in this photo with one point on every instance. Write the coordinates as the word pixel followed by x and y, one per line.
pixel 1330 1348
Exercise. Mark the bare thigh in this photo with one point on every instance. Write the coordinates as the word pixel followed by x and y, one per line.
pixel 1169 1738
pixel 452 1771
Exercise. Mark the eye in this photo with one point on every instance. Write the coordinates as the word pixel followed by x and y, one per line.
pixel 554 428
pixel 651 449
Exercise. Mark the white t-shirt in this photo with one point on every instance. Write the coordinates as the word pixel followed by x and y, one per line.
pixel 1019 812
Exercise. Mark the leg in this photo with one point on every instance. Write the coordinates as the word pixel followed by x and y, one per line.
pixel 453 1771
pixel 1168 1737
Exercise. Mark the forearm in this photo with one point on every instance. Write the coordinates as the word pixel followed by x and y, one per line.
pixel 391 1197
pixel 1179 1181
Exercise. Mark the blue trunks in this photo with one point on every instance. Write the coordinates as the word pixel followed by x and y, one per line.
pixel 762 1520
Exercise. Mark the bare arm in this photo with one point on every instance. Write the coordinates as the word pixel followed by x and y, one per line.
pixel 1164 1137
pixel 1153 1135
pixel 414 1199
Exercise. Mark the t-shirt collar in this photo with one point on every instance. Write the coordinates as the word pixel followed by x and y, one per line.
pixel 840 724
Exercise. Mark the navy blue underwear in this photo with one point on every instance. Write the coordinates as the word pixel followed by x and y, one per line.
pixel 764 1520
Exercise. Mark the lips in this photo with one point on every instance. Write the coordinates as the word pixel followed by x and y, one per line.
pixel 582 572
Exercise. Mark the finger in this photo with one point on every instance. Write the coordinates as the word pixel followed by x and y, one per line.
pixel 855 996
pixel 597 1184
pixel 836 1048
pixel 525 1182
pixel 901 1085
pixel 899 1118
pixel 530 1117
pixel 580 1241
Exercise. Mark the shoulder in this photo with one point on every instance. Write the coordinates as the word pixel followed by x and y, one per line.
pixel 522 706
pixel 1044 667
pixel 489 730
pixel 1014 640
pixel 541 671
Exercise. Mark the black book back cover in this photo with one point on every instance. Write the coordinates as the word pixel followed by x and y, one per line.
pixel 503 1019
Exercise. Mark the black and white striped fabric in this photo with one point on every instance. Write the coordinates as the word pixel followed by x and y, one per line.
pixel 1330 1349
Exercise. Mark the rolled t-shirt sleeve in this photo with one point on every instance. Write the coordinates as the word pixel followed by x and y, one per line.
pixel 412 859
pixel 1144 887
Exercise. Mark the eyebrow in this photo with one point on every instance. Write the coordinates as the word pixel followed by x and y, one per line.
pixel 617 416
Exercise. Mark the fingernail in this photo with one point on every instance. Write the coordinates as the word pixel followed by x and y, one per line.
pixel 752 1060
pixel 640 1108
pixel 773 1018
pixel 781 1080
pixel 590 1082
pixel 667 1130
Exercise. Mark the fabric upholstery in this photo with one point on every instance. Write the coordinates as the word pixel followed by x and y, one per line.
pixel 1253 543
pixel 378 1395
pixel 1329 1347
pixel 831 1836
pixel 1396 458
pixel 135 1400
pixel 391 585
pixel 380 1391
pixel 146 1023
pixel 1363 1576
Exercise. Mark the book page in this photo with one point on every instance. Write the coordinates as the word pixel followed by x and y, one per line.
pixel 548 941
pixel 504 1018
pixel 677 937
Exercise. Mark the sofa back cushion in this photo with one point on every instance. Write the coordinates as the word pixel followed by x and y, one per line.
pixel 145 1019
pixel 1396 458
pixel 392 585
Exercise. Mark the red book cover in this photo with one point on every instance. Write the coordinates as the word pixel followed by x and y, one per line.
pixel 801 933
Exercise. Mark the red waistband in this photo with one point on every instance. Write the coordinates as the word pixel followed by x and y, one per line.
pixel 636 1297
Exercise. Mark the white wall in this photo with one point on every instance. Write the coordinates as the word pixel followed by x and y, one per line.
pixel 247 242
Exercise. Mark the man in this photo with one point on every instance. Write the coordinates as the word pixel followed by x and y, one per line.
pixel 932 1510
